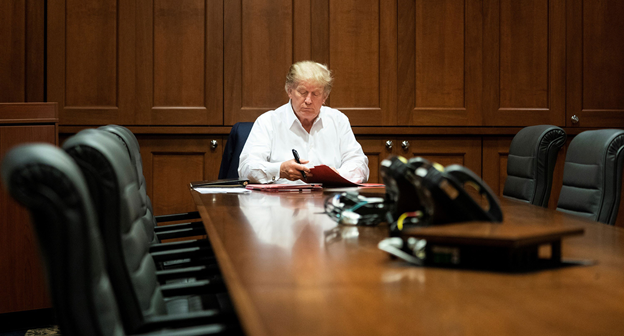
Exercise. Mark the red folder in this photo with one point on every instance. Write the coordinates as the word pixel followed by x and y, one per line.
pixel 329 178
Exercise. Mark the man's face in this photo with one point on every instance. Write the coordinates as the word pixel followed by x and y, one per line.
pixel 307 99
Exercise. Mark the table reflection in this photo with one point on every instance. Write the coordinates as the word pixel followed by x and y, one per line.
pixel 279 219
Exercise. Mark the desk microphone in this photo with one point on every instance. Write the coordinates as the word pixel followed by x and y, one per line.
pixel 296 155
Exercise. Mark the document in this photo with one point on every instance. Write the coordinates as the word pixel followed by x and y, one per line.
pixel 330 179
pixel 284 187
pixel 226 190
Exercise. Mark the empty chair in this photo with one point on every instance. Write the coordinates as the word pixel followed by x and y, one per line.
pixel 233 148
pixel 132 270
pixel 532 157
pixel 180 230
pixel 48 183
pixel 592 175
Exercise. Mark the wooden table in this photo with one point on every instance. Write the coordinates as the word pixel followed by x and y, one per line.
pixel 293 271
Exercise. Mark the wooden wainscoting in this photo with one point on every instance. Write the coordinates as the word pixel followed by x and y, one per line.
pixel 22 280
pixel 171 162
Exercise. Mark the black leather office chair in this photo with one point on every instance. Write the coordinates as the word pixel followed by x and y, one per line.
pixel 180 230
pixel 142 301
pixel 531 161
pixel 592 175
pixel 233 148
pixel 49 184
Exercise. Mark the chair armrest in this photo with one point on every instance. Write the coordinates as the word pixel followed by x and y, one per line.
pixel 210 329
pixel 177 217
pixel 184 253
pixel 197 272
pixel 207 286
pixel 169 227
pixel 201 243
pixel 180 233
pixel 199 318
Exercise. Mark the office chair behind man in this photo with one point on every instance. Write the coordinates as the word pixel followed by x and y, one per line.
pixel 233 148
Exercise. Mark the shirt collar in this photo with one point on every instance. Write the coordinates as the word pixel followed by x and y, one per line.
pixel 291 118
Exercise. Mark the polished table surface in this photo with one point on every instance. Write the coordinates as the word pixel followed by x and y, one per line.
pixel 291 270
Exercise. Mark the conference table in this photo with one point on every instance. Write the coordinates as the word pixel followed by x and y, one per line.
pixel 292 270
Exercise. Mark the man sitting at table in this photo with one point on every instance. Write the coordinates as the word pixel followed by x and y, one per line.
pixel 320 134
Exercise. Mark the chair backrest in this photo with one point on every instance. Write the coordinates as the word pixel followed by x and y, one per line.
pixel 113 181
pixel 232 151
pixel 131 145
pixel 592 175
pixel 531 162
pixel 48 183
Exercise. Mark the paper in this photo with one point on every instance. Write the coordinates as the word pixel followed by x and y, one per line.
pixel 329 178
pixel 213 190
pixel 284 187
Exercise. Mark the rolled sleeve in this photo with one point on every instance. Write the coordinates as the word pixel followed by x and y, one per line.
pixel 354 165
pixel 254 162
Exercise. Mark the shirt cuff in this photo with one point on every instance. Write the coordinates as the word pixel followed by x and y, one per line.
pixel 273 170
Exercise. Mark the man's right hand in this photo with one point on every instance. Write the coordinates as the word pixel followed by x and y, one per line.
pixel 291 170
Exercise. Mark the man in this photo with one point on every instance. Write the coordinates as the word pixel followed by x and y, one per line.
pixel 320 134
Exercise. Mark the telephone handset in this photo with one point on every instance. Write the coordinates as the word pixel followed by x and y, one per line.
pixel 452 202
pixel 493 212
pixel 425 193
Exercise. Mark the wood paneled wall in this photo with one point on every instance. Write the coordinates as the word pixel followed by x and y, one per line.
pixel 22 279
pixel 397 63
pixel 406 70
pixel 22 48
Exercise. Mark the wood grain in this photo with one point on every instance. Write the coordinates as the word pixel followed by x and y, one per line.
pixel 171 163
pixel 524 62
pixel 90 61
pixel 440 63
pixel 595 75
pixel 362 37
pixel 376 151
pixel 465 151
pixel 12 50
pixel 257 56
pixel 292 271
pixel 22 277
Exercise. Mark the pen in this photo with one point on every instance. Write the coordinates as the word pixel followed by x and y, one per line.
pixel 296 155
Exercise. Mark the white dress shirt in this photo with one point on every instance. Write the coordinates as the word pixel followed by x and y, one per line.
pixel 276 133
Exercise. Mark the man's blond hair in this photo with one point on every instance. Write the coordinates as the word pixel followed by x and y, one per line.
pixel 309 71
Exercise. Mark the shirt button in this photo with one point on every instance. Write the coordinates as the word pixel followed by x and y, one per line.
pixel 273 178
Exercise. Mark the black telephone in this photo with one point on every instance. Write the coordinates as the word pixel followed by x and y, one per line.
pixel 425 193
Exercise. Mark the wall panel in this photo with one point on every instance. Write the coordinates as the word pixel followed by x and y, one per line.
pixel 170 163
pixel 258 54
pixel 524 62
pixel 439 62
pixel 179 62
pixel 22 31
pixel 375 149
pixel 90 61
pixel 594 63
pixel 361 54
pixel 465 151
pixel 22 276
pixel 12 50
pixel 355 38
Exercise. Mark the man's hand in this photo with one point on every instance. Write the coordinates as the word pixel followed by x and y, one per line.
pixel 291 170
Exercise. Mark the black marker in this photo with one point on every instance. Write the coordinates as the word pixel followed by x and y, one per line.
pixel 296 155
